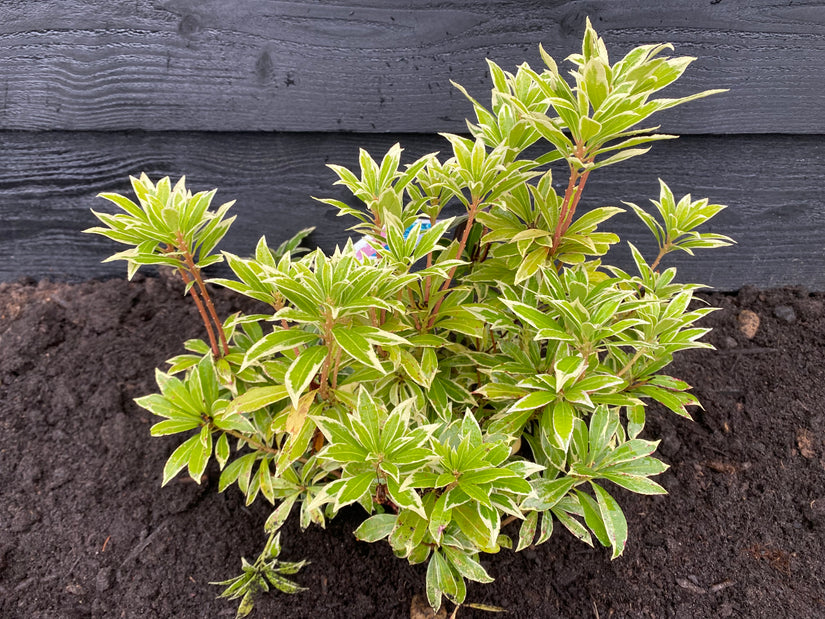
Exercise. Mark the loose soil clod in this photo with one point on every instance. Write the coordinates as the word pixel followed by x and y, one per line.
pixel 79 468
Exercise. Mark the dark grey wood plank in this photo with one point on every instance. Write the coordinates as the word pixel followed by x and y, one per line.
pixel 48 181
pixel 381 65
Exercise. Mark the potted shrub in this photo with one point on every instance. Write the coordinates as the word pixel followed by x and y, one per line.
pixel 450 375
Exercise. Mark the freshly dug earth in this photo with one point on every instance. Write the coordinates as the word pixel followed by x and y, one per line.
pixel 87 530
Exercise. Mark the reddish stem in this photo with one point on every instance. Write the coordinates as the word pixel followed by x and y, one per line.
pixel 199 304
pixel 575 201
pixel 462 245
pixel 196 274
pixel 572 195
pixel 661 255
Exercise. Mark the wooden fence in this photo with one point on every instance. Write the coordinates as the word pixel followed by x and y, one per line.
pixel 254 97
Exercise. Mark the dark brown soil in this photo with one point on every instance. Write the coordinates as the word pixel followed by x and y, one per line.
pixel 88 532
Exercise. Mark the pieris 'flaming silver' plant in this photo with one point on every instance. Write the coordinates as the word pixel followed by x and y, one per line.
pixel 465 373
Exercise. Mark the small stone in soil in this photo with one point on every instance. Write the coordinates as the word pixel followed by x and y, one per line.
pixel 748 323
pixel 785 313
pixel 729 342
pixel 671 445
pixel 805 443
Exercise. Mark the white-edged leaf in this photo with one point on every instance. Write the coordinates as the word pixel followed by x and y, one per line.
pixel 179 458
pixel 357 347
pixel 376 527
pixel 302 370
pixel 613 518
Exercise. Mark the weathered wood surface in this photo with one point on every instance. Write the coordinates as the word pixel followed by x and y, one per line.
pixel 49 180
pixel 381 65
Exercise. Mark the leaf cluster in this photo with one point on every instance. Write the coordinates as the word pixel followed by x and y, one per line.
pixel 478 371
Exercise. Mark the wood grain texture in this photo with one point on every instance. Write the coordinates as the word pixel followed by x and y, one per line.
pixel 381 65
pixel 48 181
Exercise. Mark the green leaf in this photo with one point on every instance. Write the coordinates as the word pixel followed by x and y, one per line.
pixel 620 156
pixel 173 426
pixel 563 416
pixel 246 606
pixel 532 401
pixel 376 528
pixel 283 584
pixel 527 532
pixel 238 470
pixel 296 445
pixel 200 454
pixel 357 347
pixel 433 587
pixel 675 401
pixel 574 526
pixel 302 370
pixel 546 529
pixel 549 492
pixel 407 498
pixel 277 341
pixel 161 406
pixel 257 398
pixel 634 483
pixel 222 450
pixel 354 488
pixel 567 370
pixel 593 517
pixel 615 524
pixel 510 422
pixel 409 530
pixel 475 525
pixel 635 420
pixel 531 263
pixel 179 458
pixel 466 565
pixel 265 480
pixel 440 517
pixel 281 513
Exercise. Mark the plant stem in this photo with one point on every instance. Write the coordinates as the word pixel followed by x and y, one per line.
pixel 335 369
pixel 630 363
pixel 572 195
pixel 661 255
pixel 202 310
pixel 568 194
pixel 471 214
pixel 250 441
pixel 507 521
pixel 196 274
pixel 575 201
